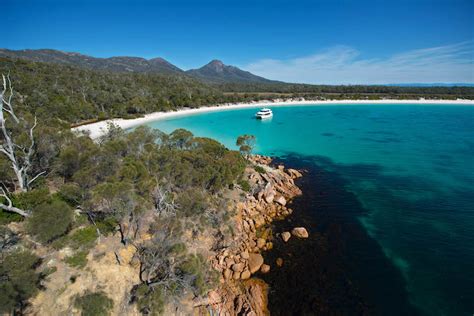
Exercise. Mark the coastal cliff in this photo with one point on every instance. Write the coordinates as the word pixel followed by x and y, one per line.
pixel 270 192
pixel 262 196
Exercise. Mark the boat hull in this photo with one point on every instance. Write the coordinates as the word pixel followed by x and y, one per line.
pixel 263 117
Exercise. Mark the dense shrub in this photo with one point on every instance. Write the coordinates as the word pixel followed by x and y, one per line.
pixel 71 193
pixel 8 217
pixel 50 221
pixel 32 199
pixel 244 184
pixel 192 202
pixel 94 304
pixel 150 300
pixel 18 280
pixel 197 267
pixel 259 169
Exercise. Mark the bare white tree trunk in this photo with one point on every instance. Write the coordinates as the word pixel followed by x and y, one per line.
pixel 20 157
pixel 9 206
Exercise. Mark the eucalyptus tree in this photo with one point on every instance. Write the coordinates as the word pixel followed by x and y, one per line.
pixel 17 146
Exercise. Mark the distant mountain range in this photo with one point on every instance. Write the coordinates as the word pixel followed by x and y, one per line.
pixel 213 72
pixel 115 64
pixel 433 84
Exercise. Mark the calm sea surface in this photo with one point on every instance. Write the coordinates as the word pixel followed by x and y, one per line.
pixel 409 167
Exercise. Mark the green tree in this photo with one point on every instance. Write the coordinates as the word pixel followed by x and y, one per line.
pixel 181 138
pixel 246 144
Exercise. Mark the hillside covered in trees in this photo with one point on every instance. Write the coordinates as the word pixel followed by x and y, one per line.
pixel 60 193
pixel 138 222
pixel 74 94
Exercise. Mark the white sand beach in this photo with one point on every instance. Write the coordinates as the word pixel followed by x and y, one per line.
pixel 97 129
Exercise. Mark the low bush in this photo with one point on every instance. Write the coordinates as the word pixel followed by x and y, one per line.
pixel 150 300
pixel 71 193
pixel 32 199
pixel 8 217
pixel 50 221
pixel 259 169
pixel 192 202
pixel 244 184
pixel 94 304
pixel 18 280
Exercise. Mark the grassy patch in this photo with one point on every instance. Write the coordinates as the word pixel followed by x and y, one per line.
pixel 78 260
pixel 83 238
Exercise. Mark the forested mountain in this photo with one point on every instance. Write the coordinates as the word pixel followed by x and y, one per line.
pixel 113 64
pixel 214 72
pixel 74 94
pixel 217 72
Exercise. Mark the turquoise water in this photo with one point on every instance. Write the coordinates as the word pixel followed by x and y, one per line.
pixel 410 166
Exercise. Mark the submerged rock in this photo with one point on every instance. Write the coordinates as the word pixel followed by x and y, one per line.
pixel 265 268
pixel 300 232
pixel 279 262
pixel 285 236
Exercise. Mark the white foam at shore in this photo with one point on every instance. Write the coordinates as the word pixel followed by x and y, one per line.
pixel 97 129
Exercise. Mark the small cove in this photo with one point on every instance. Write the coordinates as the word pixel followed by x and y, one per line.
pixel 388 191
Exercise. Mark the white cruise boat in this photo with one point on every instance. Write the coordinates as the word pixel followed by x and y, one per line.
pixel 264 113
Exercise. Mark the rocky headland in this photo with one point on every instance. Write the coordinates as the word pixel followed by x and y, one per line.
pixel 271 190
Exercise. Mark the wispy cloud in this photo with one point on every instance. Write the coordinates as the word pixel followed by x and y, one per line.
pixel 345 65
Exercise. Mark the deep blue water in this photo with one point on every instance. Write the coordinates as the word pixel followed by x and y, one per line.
pixel 410 167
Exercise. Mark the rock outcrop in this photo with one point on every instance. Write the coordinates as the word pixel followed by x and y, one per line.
pixel 269 197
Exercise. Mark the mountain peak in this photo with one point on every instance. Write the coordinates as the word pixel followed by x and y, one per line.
pixel 217 72
pixel 216 65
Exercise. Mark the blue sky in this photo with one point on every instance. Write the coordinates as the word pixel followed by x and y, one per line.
pixel 301 41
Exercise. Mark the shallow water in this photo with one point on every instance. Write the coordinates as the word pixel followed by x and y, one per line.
pixel 407 169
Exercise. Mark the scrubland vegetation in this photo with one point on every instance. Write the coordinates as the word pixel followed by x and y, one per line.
pixel 126 184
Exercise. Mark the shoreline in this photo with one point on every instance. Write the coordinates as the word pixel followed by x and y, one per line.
pixel 97 129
